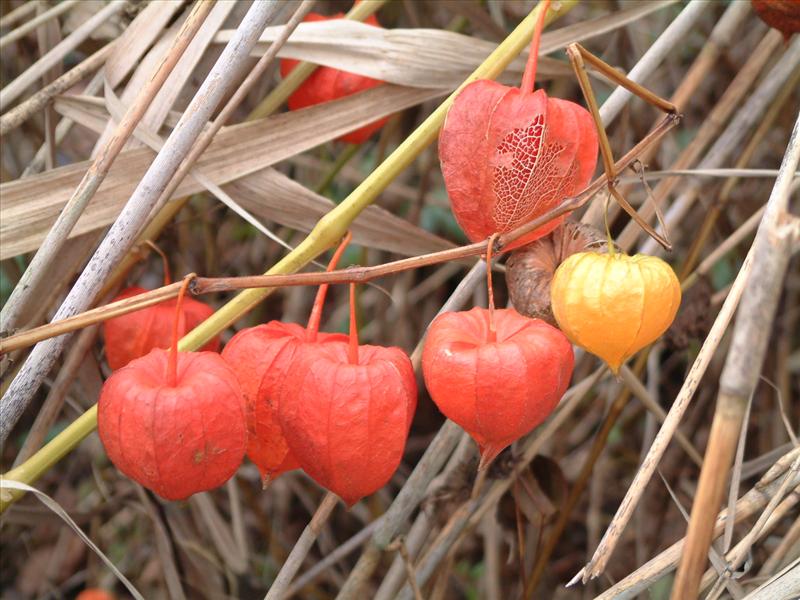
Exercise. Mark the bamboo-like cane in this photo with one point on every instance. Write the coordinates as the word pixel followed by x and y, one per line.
pixel 742 369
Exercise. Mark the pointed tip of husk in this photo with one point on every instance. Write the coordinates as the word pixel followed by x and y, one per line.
pixel 488 454
pixel 266 481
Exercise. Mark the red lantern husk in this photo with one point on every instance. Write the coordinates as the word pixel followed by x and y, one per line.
pixel 174 421
pixel 133 335
pixel 509 155
pixel 499 390
pixel 175 439
pixel 260 357
pixel 783 15
pixel 346 411
pixel 326 84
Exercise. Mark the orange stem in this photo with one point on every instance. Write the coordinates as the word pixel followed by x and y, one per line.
pixel 489 287
pixel 164 261
pixel 533 58
pixel 316 311
pixel 172 365
pixel 353 353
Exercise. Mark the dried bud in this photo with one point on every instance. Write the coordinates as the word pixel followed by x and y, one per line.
pixel 530 269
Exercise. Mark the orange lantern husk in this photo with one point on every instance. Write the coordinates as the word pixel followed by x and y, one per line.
pixel 509 155
pixel 174 421
pixel 346 411
pixel 613 305
pixel 260 356
pixel 498 388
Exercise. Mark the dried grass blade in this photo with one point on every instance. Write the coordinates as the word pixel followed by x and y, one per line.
pixel 32 204
pixel 137 38
pixel 14 89
pixel 38 20
pixel 7 484
pixel 176 81
pixel 276 197
pixel 430 58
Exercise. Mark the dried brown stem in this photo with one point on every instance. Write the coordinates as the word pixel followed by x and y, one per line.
pixel 742 369
pixel 577 55
pixel 302 547
pixel 24 111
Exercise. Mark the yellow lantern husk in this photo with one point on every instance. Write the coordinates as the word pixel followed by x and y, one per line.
pixel 613 305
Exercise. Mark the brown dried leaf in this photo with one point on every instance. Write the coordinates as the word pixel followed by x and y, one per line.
pixel 423 57
pixel 30 205
pixel 693 320
pixel 529 270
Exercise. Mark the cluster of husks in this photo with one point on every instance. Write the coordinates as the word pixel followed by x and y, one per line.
pixel 180 423
pixel 510 155
pixel 290 396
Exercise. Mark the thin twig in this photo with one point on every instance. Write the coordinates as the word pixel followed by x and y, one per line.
pixel 24 111
pixel 38 20
pixel 400 545
pixel 333 557
pixel 18 13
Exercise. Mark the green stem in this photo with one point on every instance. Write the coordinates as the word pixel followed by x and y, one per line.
pixel 349 152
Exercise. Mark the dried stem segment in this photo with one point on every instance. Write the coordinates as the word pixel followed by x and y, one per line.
pixel 14 89
pixel 301 548
pixel 24 111
pixel 577 56
pixel 38 20
pixel 771 252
